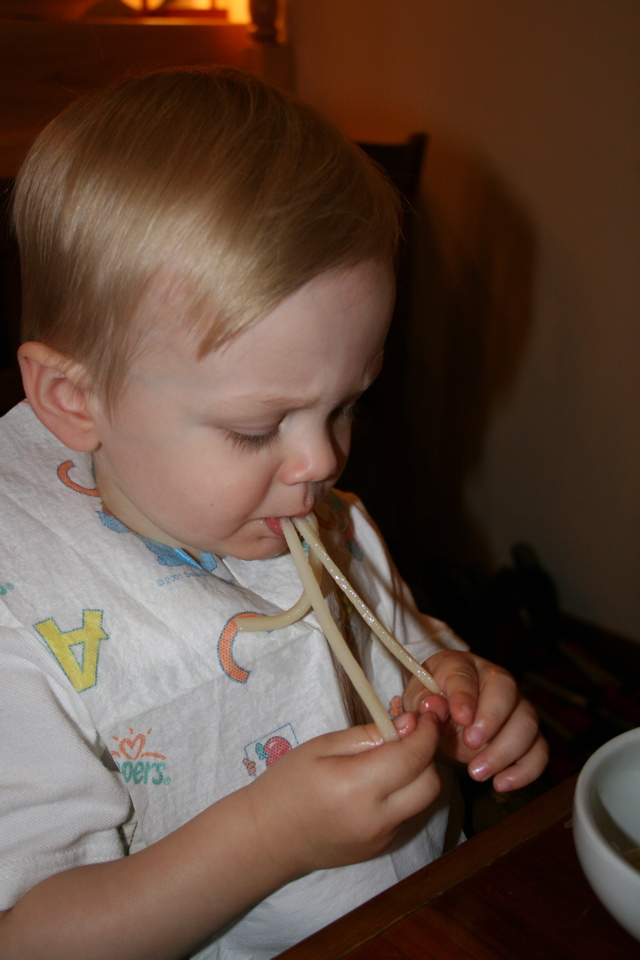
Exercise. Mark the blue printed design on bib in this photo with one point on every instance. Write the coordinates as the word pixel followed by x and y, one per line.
pixel 111 523
pixel 165 556
pixel 169 556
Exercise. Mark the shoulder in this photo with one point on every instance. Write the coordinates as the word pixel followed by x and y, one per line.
pixel 29 453
pixel 32 685
pixel 40 480
pixel 60 805
pixel 20 426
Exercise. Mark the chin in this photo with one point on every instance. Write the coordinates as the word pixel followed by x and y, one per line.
pixel 263 549
pixel 258 548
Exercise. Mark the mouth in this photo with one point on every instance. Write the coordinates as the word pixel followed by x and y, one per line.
pixel 274 525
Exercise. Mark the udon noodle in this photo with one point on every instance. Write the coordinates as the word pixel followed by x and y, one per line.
pixel 310 570
pixel 296 612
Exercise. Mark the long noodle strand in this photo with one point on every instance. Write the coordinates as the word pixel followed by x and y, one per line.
pixel 309 569
pixel 381 632
pixel 300 608
pixel 335 639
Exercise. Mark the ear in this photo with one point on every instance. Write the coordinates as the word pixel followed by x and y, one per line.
pixel 57 389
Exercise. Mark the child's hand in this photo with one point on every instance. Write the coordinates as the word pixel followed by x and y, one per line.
pixel 334 800
pixel 490 726
pixel 341 797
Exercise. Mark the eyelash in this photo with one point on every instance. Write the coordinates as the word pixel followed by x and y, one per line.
pixel 253 442
pixel 262 441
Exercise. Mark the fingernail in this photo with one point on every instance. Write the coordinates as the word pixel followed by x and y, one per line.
pixel 402 722
pixel 435 705
pixel 479 771
pixel 504 785
pixel 475 736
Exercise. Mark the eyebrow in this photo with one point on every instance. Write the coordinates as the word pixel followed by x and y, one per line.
pixel 268 403
pixel 276 401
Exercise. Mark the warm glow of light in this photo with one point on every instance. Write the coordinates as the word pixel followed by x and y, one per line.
pixel 238 10
pixel 140 5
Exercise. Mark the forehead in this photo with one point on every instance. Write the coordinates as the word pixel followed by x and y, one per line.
pixel 338 321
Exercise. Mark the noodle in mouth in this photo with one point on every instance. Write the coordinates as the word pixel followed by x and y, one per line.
pixel 310 570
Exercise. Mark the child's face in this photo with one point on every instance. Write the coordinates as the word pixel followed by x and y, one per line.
pixel 202 454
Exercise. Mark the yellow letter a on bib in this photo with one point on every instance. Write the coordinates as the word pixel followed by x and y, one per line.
pixel 88 636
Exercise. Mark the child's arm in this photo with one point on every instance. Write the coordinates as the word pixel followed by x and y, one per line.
pixel 334 800
pixel 491 727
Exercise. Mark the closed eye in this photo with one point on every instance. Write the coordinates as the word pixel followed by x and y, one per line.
pixel 252 441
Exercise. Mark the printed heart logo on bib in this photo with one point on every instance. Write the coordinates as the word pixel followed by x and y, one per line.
pixel 133 748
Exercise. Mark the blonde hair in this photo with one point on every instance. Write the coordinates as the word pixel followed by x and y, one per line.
pixel 235 190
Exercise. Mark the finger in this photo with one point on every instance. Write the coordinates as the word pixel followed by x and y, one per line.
pixel 414 797
pixel 352 740
pixel 525 770
pixel 361 739
pixel 434 703
pixel 394 765
pixel 456 673
pixel 406 723
pixel 413 695
pixel 421 784
pixel 497 699
pixel 513 742
pixel 417 699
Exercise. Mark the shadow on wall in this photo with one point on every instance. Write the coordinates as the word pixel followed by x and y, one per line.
pixel 472 265
pixel 471 317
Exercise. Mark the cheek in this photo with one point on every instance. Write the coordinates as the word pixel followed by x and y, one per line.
pixel 239 483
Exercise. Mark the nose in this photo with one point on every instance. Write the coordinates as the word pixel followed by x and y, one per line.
pixel 315 458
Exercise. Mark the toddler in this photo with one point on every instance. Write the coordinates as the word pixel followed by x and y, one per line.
pixel 207 286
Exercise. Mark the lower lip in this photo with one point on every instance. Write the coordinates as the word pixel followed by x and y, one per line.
pixel 274 525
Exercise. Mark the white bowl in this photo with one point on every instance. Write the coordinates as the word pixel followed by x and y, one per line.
pixel 606 826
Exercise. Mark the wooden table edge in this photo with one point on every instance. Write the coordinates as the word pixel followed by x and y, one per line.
pixel 369 920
